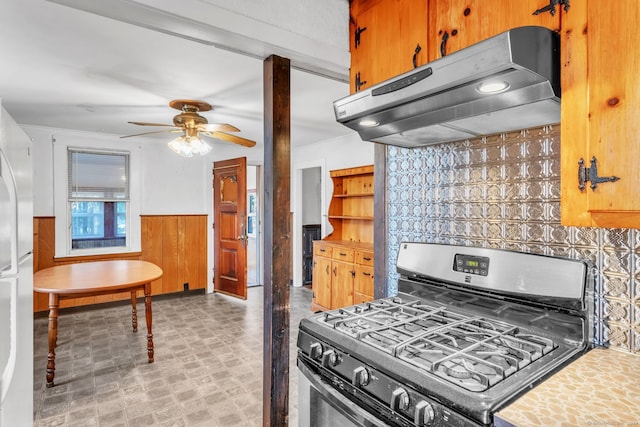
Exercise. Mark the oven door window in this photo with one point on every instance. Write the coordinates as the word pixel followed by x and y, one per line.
pixel 321 405
pixel 325 415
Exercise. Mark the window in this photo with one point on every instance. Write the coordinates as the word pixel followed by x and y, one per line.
pixel 251 215
pixel 98 198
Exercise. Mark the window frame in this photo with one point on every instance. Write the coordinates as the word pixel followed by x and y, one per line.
pixel 107 191
pixel 62 208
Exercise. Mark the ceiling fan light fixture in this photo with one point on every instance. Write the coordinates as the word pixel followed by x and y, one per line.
pixel 192 126
pixel 187 146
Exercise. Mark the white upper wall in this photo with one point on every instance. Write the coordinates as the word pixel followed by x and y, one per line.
pixel 168 183
pixel 171 184
pixel 338 153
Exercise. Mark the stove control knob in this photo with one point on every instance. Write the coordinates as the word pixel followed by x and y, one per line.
pixel 399 399
pixel 424 414
pixel 360 377
pixel 315 350
pixel 329 359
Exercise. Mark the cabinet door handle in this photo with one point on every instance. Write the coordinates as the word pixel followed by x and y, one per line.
pixel 415 55
pixel 366 258
pixel 327 269
pixel 335 271
pixel 353 273
pixel 443 44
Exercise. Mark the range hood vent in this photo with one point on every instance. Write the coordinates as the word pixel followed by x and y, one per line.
pixel 443 101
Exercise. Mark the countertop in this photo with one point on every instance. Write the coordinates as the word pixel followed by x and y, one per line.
pixel 601 388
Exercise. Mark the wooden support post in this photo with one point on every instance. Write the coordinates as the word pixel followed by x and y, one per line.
pixel 380 221
pixel 277 241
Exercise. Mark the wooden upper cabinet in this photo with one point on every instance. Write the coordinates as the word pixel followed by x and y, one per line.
pixel 600 101
pixel 384 36
pixel 464 22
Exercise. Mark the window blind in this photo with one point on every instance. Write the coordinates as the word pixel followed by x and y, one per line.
pixel 98 175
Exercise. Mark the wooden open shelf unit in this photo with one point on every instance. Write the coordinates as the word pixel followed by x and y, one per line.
pixel 343 261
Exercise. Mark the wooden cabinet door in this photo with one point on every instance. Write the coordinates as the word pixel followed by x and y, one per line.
pixel 363 284
pixel 322 282
pixel 461 23
pixel 342 284
pixel 600 101
pixel 389 33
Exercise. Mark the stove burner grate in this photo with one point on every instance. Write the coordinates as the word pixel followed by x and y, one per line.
pixel 472 352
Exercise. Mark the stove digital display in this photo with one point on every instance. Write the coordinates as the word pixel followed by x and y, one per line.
pixel 471 264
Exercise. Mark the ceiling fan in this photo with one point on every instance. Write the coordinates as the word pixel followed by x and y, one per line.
pixel 192 125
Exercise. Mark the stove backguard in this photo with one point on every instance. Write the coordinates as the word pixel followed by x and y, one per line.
pixel 550 283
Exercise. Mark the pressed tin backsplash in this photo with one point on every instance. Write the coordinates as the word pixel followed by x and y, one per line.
pixel 503 191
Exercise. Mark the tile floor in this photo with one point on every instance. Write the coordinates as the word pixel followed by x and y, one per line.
pixel 207 370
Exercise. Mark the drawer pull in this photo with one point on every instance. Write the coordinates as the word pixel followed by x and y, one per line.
pixel 366 274
pixel 342 254
pixel 322 250
pixel 366 258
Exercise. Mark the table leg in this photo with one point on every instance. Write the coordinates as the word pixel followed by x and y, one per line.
pixel 149 317
pixel 54 302
pixel 134 311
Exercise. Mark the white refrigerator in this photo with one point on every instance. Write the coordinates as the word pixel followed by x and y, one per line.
pixel 16 274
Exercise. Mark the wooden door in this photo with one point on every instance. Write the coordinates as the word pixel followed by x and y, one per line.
pixel 229 227
pixel 600 80
pixel 389 32
pixel 461 23
pixel 322 282
pixel 363 284
pixel 342 276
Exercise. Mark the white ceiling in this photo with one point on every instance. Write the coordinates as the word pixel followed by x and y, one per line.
pixel 69 69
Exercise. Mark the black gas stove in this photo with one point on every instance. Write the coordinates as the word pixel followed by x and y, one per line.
pixel 470 330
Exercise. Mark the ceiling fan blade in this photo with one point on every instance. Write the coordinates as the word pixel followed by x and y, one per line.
pixel 212 127
pixel 149 124
pixel 149 133
pixel 230 138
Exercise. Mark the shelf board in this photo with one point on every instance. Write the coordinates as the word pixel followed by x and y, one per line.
pixel 353 195
pixel 368 218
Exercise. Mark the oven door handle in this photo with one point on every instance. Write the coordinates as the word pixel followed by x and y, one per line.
pixel 340 402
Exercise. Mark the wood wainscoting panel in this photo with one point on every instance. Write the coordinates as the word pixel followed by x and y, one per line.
pixel 194 251
pixel 175 243
pixel 151 241
pixel 178 244
pixel 170 254
pixel 44 237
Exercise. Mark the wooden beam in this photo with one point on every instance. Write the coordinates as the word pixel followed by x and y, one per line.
pixel 380 221
pixel 277 241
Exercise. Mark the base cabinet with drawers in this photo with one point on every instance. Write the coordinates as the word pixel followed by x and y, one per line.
pixel 342 274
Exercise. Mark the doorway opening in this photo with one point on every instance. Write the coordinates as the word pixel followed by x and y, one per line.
pixel 309 217
pixel 254 255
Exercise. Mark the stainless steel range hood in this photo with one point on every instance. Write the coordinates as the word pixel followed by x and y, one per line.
pixel 443 100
